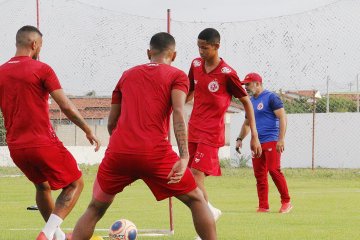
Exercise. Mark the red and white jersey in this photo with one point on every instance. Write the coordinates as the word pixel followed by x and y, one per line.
pixel 25 85
pixel 212 96
pixel 144 93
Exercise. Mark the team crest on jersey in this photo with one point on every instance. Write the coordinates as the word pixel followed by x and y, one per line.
pixel 213 86
pixel 260 106
pixel 197 63
pixel 195 81
pixel 226 70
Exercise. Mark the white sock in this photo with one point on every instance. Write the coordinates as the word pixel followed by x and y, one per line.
pixel 59 234
pixel 51 225
pixel 211 206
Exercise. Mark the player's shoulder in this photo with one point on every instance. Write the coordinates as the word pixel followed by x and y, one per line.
pixel 225 68
pixel 197 62
pixel 271 94
pixel 40 65
pixel 165 68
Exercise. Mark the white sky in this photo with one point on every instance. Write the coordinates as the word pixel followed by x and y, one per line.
pixel 210 10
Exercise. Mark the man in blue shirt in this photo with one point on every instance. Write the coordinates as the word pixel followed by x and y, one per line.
pixel 270 120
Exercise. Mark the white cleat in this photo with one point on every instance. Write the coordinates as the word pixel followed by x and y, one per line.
pixel 216 213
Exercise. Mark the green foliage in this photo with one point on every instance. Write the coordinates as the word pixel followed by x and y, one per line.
pixel 336 104
pixel 304 105
pixel 241 161
pixel 2 131
pixel 300 105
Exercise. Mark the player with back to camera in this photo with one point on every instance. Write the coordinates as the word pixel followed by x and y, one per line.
pixel 212 84
pixel 25 85
pixel 139 147
pixel 271 124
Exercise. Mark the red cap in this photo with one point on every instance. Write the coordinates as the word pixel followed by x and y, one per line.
pixel 252 77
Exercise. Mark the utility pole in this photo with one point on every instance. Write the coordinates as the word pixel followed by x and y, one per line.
pixel 327 95
pixel 357 92
pixel 313 131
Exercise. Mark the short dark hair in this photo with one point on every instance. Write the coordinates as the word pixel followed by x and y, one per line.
pixel 210 35
pixel 25 29
pixel 162 41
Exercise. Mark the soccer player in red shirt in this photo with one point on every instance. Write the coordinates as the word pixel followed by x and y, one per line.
pixel 212 84
pixel 139 147
pixel 25 85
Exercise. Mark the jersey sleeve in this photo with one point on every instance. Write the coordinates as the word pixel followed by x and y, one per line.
pixel 181 82
pixel 234 86
pixel 49 79
pixel 116 94
pixel 275 102
pixel 191 78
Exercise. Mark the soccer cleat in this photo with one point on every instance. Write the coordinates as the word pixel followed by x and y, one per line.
pixel 68 236
pixel 285 207
pixel 197 238
pixel 262 210
pixel 41 236
pixel 216 213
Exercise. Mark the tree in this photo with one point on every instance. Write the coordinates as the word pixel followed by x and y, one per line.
pixel 300 105
pixel 336 104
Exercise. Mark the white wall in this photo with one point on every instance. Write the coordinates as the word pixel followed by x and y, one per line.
pixel 85 154
pixel 337 140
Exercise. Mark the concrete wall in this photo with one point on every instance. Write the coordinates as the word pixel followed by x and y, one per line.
pixel 337 140
pixel 85 154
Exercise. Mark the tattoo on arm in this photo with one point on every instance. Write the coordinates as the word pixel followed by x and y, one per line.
pixel 181 138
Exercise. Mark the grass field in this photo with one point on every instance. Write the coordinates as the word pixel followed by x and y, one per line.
pixel 326 206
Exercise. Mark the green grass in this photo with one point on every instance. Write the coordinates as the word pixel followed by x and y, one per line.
pixel 326 206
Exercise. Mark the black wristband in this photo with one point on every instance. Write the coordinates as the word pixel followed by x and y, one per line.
pixel 239 138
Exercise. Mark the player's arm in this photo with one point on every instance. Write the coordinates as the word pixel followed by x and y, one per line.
pixel 245 129
pixel 71 112
pixel 113 117
pixel 281 115
pixel 249 111
pixel 190 96
pixel 178 98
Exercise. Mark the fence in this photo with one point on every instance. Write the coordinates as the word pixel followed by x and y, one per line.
pixel 297 55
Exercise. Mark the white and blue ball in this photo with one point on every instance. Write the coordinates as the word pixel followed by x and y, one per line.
pixel 123 229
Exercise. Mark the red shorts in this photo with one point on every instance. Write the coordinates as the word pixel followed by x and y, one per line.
pixel 53 164
pixel 118 170
pixel 204 158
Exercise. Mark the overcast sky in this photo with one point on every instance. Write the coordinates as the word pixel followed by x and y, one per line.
pixel 294 44
pixel 211 10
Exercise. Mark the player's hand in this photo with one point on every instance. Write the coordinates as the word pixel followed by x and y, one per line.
pixel 255 147
pixel 280 145
pixel 238 145
pixel 93 139
pixel 178 170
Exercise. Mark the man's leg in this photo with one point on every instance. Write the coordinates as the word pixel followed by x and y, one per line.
pixel 44 199
pixel 68 198
pixel 200 181
pixel 85 226
pixel 260 172
pixel 273 163
pixel 204 222
pixel 63 206
pixel 204 161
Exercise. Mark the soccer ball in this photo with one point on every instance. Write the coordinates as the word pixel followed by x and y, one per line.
pixel 96 238
pixel 123 229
